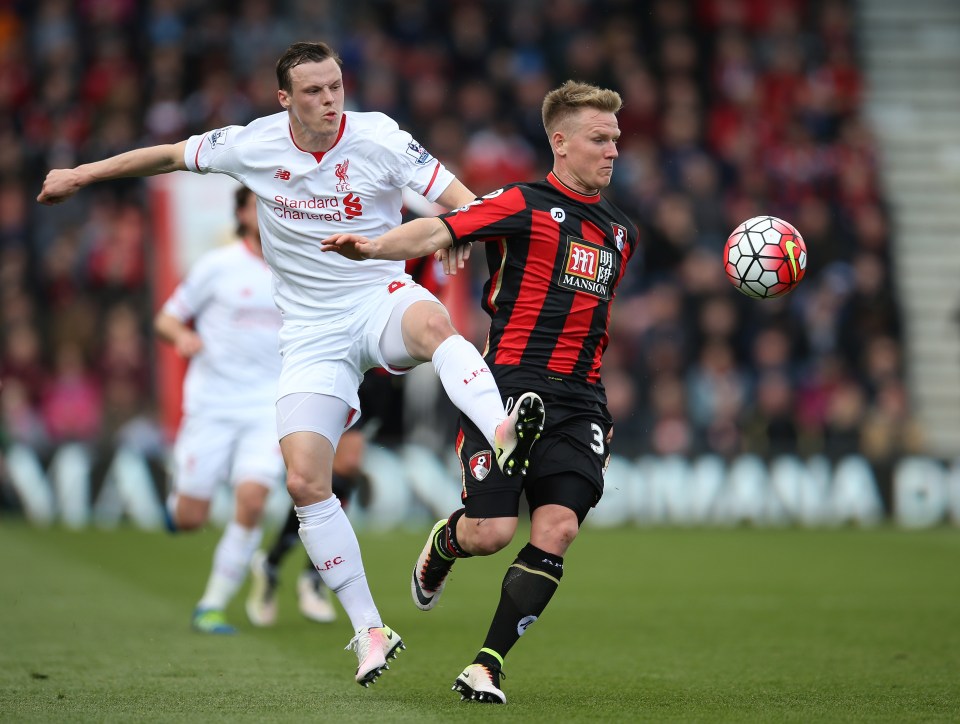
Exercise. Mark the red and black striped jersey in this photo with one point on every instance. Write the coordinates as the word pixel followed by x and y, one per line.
pixel 555 258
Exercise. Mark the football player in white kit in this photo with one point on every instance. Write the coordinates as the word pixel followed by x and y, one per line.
pixel 317 170
pixel 227 433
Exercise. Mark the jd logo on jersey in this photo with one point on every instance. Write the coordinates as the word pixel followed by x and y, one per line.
pixel 588 268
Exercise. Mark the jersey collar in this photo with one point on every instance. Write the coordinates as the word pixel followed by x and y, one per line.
pixel 567 191
pixel 318 155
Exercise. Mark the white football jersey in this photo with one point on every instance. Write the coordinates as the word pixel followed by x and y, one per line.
pixel 303 197
pixel 228 296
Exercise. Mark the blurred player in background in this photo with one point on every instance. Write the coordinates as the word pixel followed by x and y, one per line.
pixel 316 171
pixel 557 250
pixel 227 433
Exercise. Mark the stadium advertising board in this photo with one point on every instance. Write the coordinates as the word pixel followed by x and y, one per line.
pixel 76 488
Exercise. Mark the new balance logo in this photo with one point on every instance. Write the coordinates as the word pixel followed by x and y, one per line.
pixel 282 174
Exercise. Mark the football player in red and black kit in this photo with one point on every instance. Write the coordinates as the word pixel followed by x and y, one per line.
pixel 556 250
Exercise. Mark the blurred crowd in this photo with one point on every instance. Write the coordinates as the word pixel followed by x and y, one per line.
pixel 732 109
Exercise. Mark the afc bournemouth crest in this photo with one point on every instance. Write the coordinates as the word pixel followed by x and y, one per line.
pixel 619 235
pixel 480 464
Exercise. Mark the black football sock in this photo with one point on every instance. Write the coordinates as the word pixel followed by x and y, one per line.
pixel 446 543
pixel 287 539
pixel 527 588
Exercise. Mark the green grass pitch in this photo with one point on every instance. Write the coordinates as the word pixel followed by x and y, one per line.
pixel 706 625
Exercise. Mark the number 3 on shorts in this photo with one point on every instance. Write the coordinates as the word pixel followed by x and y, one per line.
pixel 597 445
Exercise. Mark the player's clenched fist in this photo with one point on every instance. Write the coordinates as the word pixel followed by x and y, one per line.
pixel 60 184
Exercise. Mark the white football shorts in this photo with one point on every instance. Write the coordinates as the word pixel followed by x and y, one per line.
pixel 329 357
pixel 309 412
pixel 209 452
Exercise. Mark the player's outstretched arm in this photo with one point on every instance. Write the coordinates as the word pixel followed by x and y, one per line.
pixel 454 196
pixel 62 183
pixel 419 237
pixel 351 246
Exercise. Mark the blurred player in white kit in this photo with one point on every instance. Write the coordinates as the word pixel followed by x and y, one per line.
pixel 316 171
pixel 222 318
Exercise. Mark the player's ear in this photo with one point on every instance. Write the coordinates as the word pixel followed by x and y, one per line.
pixel 559 143
pixel 283 98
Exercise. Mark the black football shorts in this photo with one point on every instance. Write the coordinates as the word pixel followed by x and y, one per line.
pixel 566 463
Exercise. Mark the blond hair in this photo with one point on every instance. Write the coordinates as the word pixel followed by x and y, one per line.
pixel 562 102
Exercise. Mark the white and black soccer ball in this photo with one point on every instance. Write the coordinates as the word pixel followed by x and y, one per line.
pixel 765 257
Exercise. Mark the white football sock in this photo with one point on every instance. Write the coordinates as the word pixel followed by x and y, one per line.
pixel 469 384
pixel 333 547
pixel 230 562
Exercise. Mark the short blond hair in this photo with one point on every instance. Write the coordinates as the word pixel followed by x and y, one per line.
pixel 561 102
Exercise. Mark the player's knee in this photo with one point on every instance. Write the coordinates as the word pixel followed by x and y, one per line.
pixel 491 536
pixel 555 534
pixel 188 513
pixel 306 489
pixel 250 502
pixel 189 521
pixel 564 532
pixel 298 486
pixel 436 328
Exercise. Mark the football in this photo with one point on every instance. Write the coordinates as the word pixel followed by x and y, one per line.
pixel 765 257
